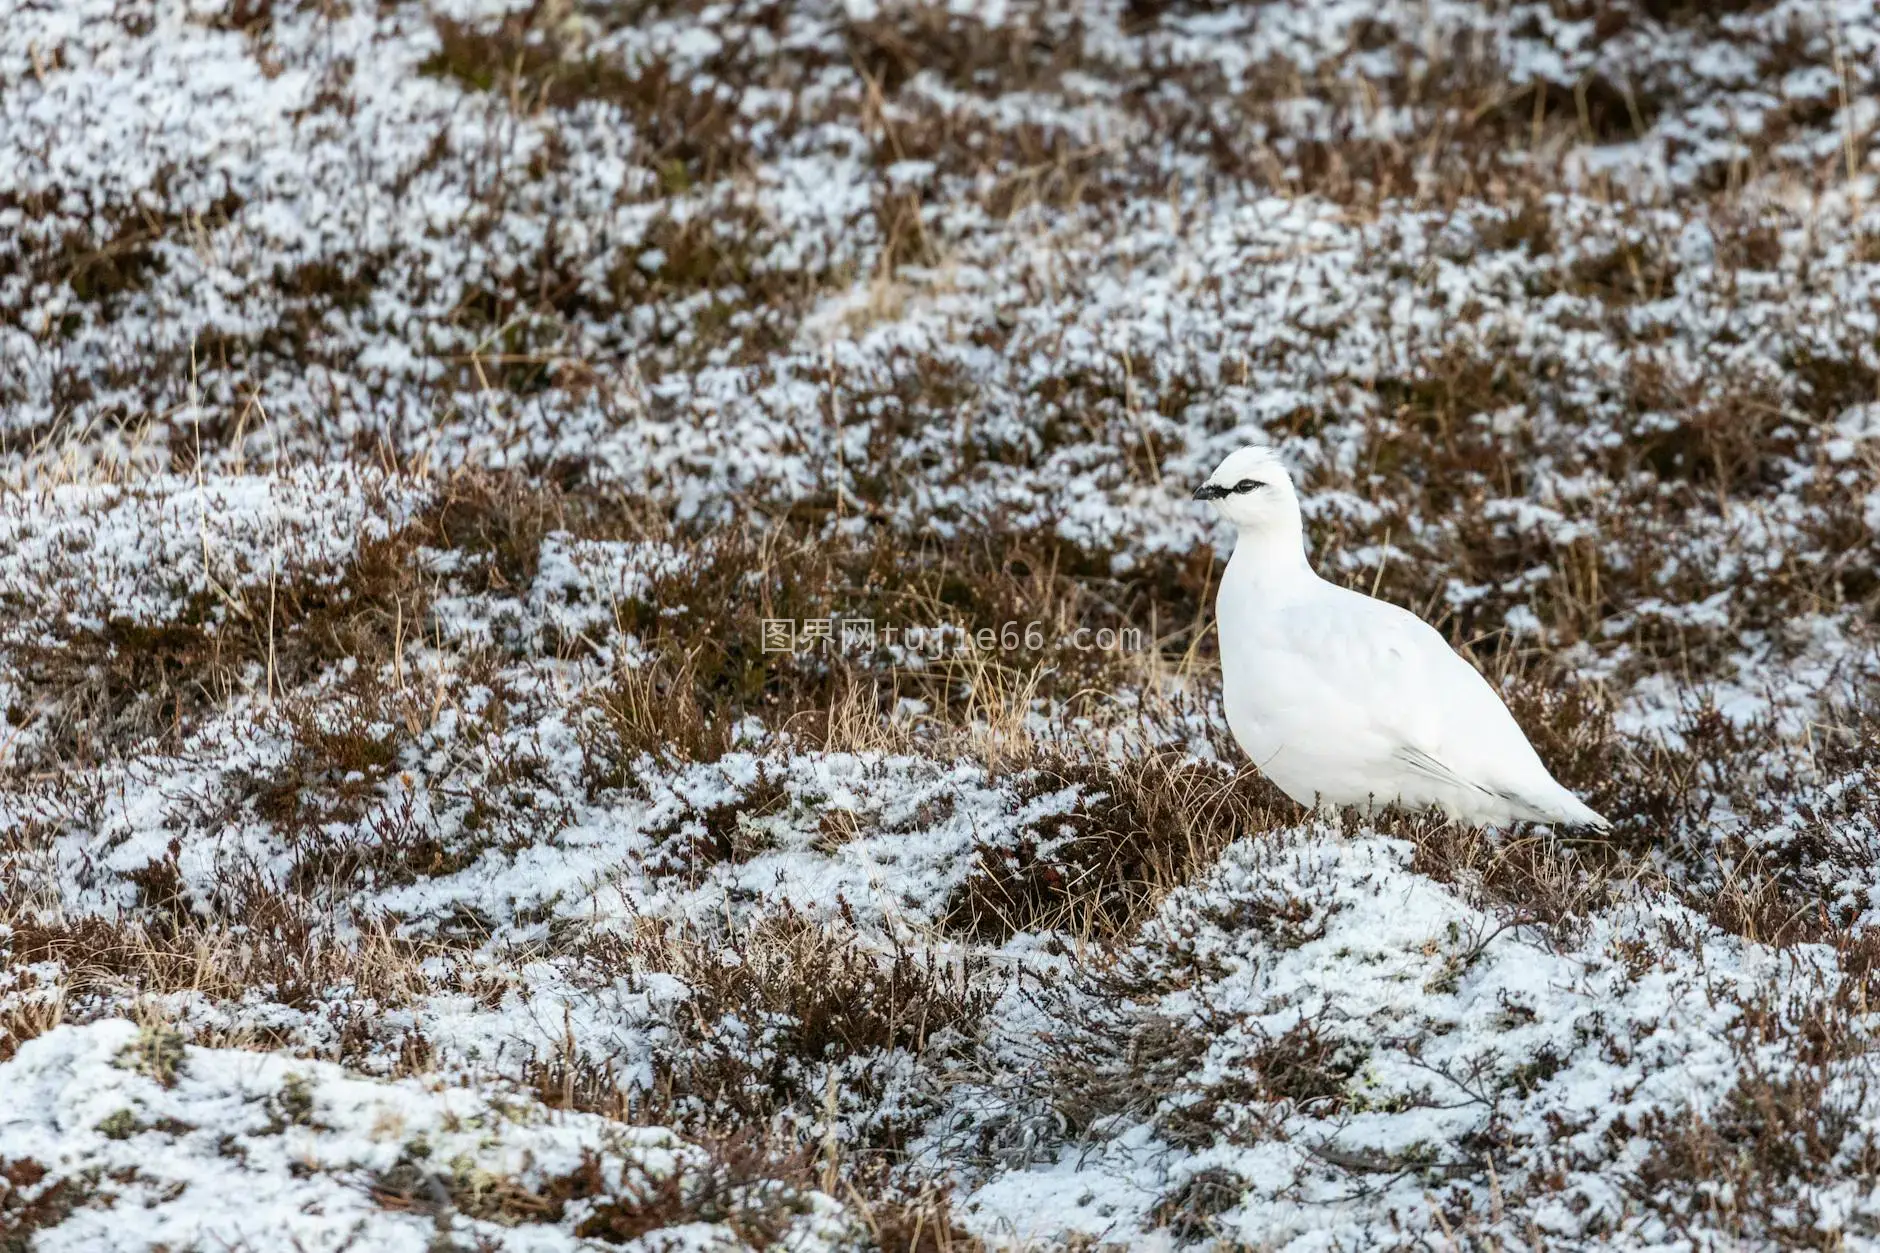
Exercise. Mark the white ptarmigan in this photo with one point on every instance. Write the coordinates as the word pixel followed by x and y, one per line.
pixel 1343 699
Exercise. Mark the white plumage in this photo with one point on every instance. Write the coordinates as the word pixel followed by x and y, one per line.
pixel 1342 699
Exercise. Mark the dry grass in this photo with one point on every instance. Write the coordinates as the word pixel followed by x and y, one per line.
pixel 35 1199
pixel 1138 829
pixel 106 690
pixel 692 136
pixel 1011 603
pixel 776 1011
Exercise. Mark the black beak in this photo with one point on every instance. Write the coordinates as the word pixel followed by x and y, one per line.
pixel 1210 491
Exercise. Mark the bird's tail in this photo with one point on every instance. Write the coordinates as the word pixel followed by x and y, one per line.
pixel 1563 808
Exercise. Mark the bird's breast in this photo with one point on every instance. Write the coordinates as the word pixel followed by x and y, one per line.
pixel 1263 695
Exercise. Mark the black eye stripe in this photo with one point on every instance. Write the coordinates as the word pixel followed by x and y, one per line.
pixel 1247 485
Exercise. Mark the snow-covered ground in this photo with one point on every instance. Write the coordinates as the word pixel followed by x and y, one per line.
pixel 603 639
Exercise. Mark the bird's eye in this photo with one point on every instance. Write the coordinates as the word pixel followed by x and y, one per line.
pixel 1247 485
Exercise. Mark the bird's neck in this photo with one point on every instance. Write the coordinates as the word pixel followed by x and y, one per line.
pixel 1272 553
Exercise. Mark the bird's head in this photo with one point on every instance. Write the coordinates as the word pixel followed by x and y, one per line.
pixel 1253 490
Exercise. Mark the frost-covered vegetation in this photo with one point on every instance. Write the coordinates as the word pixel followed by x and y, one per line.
pixel 411 416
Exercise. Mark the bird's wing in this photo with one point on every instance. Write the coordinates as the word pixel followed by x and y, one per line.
pixel 1363 684
pixel 1419 762
pixel 1399 679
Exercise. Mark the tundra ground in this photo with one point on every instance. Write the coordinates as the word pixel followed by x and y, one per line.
pixel 603 640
